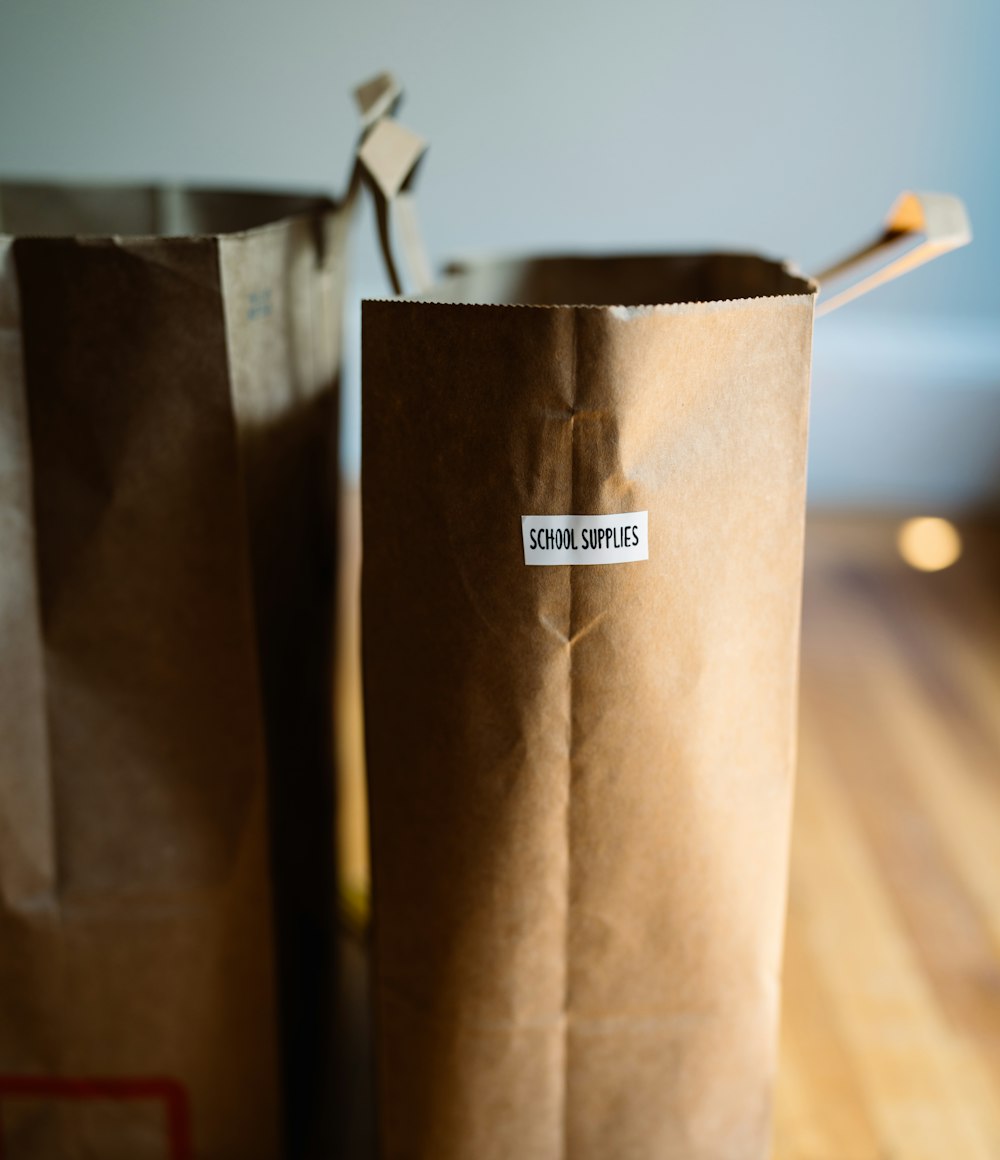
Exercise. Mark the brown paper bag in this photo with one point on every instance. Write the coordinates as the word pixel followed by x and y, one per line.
pixel 168 410
pixel 581 776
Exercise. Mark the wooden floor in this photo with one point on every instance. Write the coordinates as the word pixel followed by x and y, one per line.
pixel 891 1030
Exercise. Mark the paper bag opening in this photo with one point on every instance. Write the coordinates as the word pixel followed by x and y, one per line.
pixel 630 280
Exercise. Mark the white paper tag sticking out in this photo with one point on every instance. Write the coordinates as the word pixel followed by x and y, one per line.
pixel 615 539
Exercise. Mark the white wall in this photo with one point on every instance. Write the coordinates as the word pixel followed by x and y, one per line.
pixel 783 125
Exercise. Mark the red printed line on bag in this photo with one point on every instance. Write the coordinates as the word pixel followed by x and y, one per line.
pixel 167 1092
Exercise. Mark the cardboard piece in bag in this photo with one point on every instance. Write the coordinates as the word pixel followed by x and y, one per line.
pixel 581 776
pixel 168 394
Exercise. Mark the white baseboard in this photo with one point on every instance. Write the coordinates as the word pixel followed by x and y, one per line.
pixel 905 413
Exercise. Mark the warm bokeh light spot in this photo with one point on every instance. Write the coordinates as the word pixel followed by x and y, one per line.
pixel 929 543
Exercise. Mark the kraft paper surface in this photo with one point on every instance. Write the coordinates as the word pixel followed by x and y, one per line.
pixel 580 777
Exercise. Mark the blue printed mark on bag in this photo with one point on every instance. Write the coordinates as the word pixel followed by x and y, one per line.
pixel 258 304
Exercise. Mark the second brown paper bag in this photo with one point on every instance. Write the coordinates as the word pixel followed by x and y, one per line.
pixel 169 377
pixel 581 776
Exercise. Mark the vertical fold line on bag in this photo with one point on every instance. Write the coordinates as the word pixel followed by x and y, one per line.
pixel 573 395
pixel 31 874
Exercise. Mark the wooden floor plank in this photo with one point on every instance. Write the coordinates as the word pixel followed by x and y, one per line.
pixel 906 1058
pixel 821 1110
pixel 891 1032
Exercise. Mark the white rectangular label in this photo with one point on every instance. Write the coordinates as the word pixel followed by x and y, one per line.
pixel 616 539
